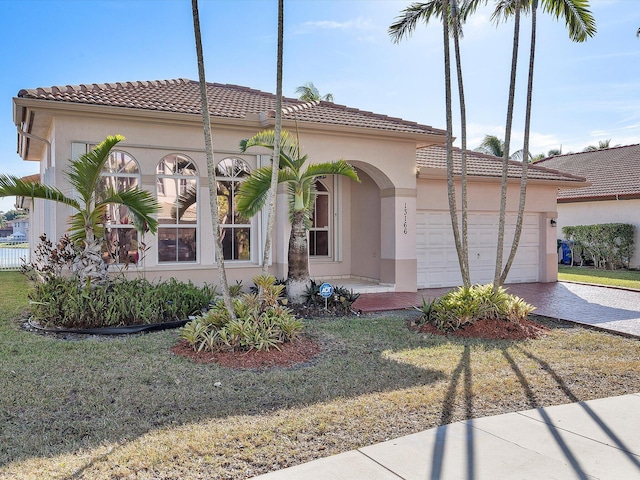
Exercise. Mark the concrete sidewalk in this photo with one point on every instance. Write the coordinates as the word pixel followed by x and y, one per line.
pixel 598 439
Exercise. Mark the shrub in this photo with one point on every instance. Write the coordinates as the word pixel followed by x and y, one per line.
pixel 341 300
pixel 261 322
pixel 466 305
pixel 62 302
pixel 610 245
pixel 49 261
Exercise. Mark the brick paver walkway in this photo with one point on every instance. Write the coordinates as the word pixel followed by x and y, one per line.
pixel 612 309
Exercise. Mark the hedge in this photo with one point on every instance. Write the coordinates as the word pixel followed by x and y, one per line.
pixel 609 245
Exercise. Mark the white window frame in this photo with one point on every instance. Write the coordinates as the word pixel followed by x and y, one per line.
pixel 253 224
pixel 177 179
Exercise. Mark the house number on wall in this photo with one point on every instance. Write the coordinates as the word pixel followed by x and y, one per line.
pixel 405 218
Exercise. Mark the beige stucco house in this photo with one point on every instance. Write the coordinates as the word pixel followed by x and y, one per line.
pixel 392 228
pixel 613 192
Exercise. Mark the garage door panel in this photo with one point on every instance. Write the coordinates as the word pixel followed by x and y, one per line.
pixel 438 261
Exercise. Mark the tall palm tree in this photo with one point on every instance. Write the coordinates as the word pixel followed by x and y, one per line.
pixel 276 143
pixel 90 203
pixel 581 25
pixel 300 180
pixel 310 93
pixel 452 14
pixel 211 168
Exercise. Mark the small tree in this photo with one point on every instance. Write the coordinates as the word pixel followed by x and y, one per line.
pixel 300 180
pixel 86 226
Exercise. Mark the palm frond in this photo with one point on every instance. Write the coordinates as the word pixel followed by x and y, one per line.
pixel 408 19
pixel 577 17
pixel 340 167
pixel 289 150
pixel 11 185
pixel 141 204
pixel 254 191
pixel 84 172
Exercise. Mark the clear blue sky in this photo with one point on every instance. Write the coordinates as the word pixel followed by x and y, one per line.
pixel 584 93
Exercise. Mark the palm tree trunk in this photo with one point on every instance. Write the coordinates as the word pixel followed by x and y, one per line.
pixel 298 274
pixel 464 263
pixel 507 144
pixel 449 141
pixel 211 172
pixel 525 149
pixel 276 144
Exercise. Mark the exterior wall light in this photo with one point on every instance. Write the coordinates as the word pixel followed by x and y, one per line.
pixel 553 222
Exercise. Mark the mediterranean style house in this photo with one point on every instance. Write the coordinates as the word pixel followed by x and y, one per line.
pixel 613 193
pixel 392 229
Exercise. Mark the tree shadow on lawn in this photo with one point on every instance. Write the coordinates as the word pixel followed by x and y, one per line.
pixel 62 396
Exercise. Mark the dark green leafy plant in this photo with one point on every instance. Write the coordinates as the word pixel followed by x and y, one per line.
pixel 62 302
pixel 466 305
pixel 341 300
pixel 610 245
pixel 261 322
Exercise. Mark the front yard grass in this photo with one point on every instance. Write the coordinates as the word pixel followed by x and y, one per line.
pixel 125 407
pixel 616 278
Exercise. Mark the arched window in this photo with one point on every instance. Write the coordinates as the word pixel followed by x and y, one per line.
pixel 120 173
pixel 320 231
pixel 177 189
pixel 236 229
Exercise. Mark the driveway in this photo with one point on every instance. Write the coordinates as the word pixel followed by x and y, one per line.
pixel 606 308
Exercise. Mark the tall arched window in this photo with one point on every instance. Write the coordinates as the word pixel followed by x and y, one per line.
pixel 121 173
pixel 236 229
pixel 320 231
pixel 177 190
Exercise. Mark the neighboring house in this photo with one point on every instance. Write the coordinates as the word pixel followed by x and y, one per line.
pixel 392 228
pixel 20 227
pixel 613 195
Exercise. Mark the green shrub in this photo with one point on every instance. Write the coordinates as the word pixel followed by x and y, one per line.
pixel 341 300
pixel 610 245
pixel 62 302
pixel 466 305
pixel 261 322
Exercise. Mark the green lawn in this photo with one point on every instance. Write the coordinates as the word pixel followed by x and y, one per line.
pixel 618 278
pixel 125 407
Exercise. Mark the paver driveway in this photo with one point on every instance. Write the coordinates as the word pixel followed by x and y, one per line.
pixel 603 307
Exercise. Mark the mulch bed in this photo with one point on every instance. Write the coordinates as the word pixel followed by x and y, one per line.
pixel 290 354
pixel 304 349
pixel 493 329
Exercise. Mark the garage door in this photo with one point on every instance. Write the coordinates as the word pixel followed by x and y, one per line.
pixel 438 260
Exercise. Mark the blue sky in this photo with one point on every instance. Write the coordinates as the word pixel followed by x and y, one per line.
pixel 584 92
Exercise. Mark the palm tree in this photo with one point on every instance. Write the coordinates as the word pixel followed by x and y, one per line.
pixel 276 143
pixel 602 145
pixel 491 145
pixel 211 168
pixel 310 93
pixel 90 202
pixel 300 181
pixel 452 16
pixel 581 25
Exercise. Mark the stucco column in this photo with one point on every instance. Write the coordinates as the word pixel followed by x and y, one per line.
pixel 548 245
pixel 398 263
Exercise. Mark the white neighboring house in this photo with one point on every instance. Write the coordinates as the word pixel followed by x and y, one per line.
pixel 393 228
pixel 613 195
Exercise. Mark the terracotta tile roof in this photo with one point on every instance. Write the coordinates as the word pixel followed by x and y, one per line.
pixel 230 101
pixel 482 165
pixel 612 172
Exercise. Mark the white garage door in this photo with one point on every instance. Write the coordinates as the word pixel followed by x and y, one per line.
pixel 438 260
